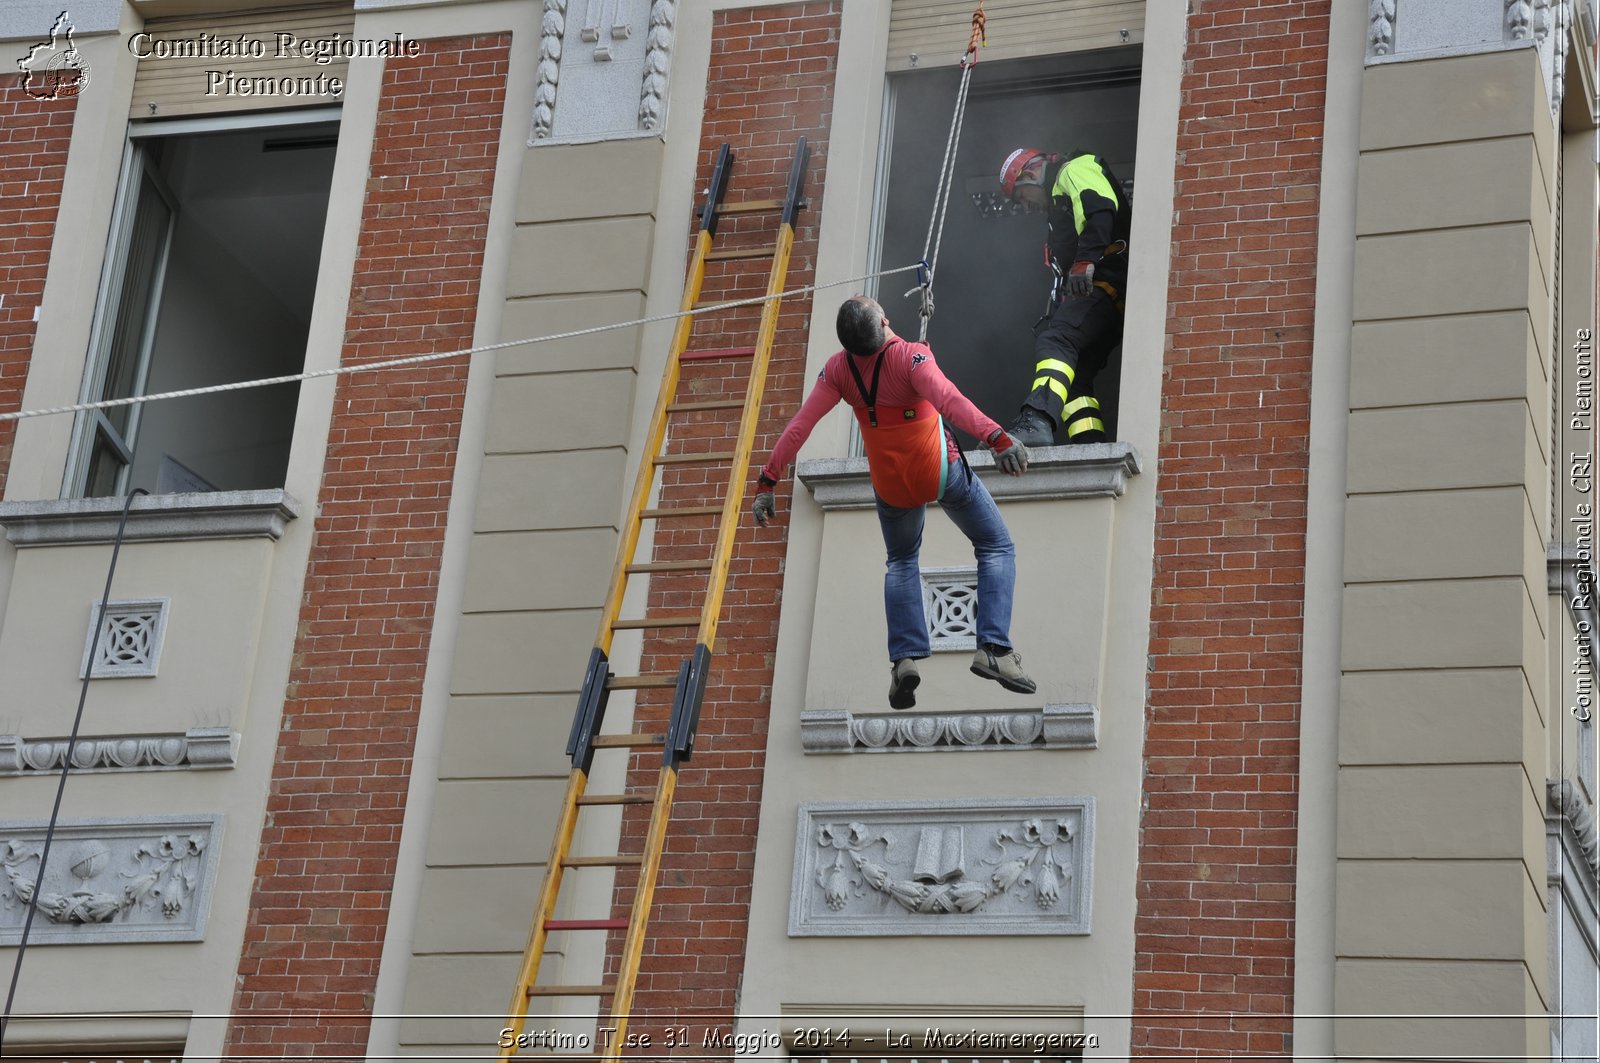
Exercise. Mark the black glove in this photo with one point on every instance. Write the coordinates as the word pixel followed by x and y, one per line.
pixel 1080 279
pixel 765 506
pixel 1009 455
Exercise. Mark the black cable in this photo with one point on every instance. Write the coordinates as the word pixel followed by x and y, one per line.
pixel 66 764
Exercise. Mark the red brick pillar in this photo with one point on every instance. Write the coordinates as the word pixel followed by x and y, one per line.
pixel 325 869
pixel 34 137
pixel 1214 948
pixel 770 82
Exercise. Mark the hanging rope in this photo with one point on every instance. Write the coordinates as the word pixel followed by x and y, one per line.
pixel 941 195
pixel 420 359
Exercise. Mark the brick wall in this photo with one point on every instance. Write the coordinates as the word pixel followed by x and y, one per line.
pixel 770 82
pixel 1215 925
pixel 34 137
pixel 325 868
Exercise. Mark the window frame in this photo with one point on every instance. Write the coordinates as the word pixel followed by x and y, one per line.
pixel 91 426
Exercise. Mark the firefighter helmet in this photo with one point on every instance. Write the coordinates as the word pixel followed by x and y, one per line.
pixel 1011 171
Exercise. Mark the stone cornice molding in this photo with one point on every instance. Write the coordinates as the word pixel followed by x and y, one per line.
pixel 196 748
pixel 1072 726
pixel 1096 470
pixel 153 518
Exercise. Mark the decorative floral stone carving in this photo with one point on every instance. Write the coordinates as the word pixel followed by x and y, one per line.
pixel 551 28
pixel 126 880
pixel 1380 27
pixel 657 58
pixel 974 867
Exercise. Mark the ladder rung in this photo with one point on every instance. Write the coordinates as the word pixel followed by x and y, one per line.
pixel 571 990
pixel 631 740
pixel 687 459
pixel 586 924
pixel 719 352
pixel 670 566
pixel 676 620
pixel 720 404
pixel 750 206
pixel 618 799
pixel 740 252
pixel 603 861
pixel 679 511
pixel 640 682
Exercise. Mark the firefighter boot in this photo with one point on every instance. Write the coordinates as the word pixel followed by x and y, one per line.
pixel 1004 666
pixel 1033 428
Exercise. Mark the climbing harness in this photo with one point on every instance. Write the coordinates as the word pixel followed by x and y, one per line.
pixel 941 195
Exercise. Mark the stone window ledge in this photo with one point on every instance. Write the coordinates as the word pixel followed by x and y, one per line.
pixel 1093 470
pixel 153 518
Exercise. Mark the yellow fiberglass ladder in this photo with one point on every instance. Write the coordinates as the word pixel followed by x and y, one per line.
pixel 689 683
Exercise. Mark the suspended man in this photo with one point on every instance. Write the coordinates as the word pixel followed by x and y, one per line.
pixel 1088 216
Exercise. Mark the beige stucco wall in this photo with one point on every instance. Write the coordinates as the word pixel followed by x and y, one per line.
pixel 1439 881
pixel 545 458
pixel 234 604
pixel 234 607
pixel 1083 635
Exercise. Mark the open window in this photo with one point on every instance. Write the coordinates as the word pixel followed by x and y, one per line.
pixel 993 282
pixel 209 277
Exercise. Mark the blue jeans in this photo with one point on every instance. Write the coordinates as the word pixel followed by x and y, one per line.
pixel 972 508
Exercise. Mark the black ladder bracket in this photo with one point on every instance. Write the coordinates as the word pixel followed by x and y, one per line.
pixel 714 192
pixel 591 711
pixel 686 700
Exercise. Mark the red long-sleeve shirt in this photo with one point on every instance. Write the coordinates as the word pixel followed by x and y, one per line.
pixel 910 376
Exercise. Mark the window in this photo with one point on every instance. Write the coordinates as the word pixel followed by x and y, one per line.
pixel 209 278
pixel 992 282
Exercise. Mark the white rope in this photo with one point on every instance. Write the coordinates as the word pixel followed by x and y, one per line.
pixel 441 356
pixel 941 200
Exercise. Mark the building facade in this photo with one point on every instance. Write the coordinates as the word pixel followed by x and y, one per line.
pixel 1311 767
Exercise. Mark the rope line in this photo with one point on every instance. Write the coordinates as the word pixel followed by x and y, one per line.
pixel 438 356
pixel 941 195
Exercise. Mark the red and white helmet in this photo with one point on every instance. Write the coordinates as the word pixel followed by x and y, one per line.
pixel 1011 171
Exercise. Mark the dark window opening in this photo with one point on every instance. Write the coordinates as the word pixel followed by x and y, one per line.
pixel 211 272
pixel 992 282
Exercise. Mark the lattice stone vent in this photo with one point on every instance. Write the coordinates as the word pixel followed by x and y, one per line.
pixel 130 639
pixel 950 601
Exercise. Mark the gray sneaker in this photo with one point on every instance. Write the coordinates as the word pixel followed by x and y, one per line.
pixel 903 680
pixel 1004 667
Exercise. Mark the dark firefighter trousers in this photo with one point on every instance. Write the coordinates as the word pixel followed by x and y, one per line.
pixel 1069 353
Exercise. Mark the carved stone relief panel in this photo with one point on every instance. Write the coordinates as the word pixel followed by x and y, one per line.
pixel 602 69
pixel 147 878
pixel 950 603
pixel 129 641
pixel 997 866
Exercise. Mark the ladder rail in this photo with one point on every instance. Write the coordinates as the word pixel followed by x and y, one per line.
pixel 549 892
pixel 658 432
pixel 766 336
pixel 677 741
pixel 639 917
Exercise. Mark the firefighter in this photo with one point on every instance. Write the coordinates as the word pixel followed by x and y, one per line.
pixel 1089 214
pixel 901 400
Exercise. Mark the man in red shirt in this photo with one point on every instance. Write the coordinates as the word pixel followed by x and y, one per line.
pixel 901 401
